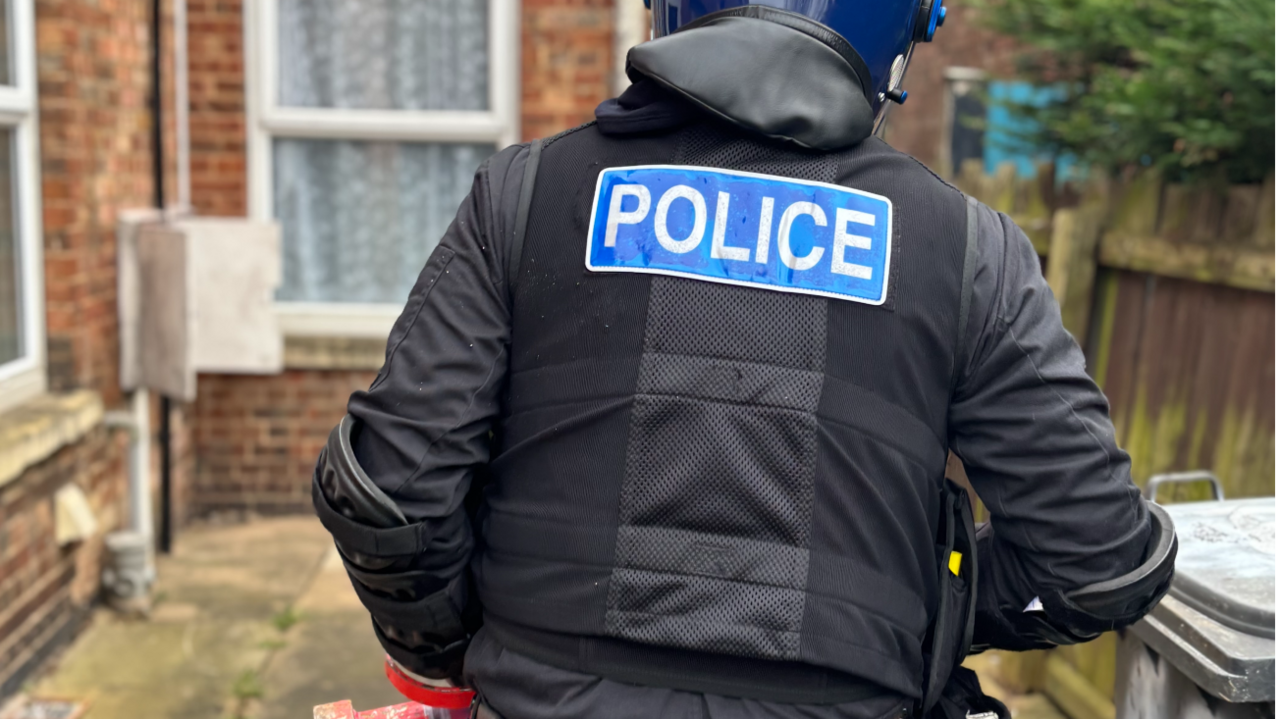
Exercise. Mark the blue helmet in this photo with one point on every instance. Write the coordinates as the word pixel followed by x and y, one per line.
pixel 882 32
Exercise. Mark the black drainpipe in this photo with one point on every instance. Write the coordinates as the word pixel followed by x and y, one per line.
pixel 157 153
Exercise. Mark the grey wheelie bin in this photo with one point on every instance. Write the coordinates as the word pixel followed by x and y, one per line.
pixel 1208 650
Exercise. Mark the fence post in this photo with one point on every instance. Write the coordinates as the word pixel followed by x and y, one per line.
pixel 1137 208
pixel 1073 264
pixel 1022 672
pixel 973 180
pixel 1004 188
pixel 1264 224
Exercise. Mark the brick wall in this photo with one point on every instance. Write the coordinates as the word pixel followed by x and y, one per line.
pixel 565 63
pixel 96 148
pixel 95 142
pixel 916 126
pixel 44 588
pixel 215 51
pixel 95 132
pixel 257 438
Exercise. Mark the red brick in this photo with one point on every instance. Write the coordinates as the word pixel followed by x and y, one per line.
pixel 94 85
pixel 566 61
pixel 40 581
pixel 245 436
pixel 215 37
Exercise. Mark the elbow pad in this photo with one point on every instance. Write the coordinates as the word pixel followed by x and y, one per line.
pixel 1117 603
pixel 346 486
pixel 396 567
pixel 1079 615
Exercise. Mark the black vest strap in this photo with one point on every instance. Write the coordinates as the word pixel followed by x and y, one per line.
pixel 966 287
pixel 684 670
pixel 522 211
pixel 952 631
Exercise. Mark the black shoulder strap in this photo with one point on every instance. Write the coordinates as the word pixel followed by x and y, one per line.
pixel 966 288
pixel 522 211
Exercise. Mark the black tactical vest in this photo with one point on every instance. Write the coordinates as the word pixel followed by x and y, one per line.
pixel 722 488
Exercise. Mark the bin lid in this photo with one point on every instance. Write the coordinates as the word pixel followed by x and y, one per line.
pixel 1216 626
pixel 1226 564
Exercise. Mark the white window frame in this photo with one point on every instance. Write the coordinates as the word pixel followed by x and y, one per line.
pixel 267 120
pixel 24 378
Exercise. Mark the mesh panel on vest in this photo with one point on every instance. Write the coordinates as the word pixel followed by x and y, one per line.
pixel 714 615
pixel 748 473
pixel 738 323
pixel 729 148
pixel 717 502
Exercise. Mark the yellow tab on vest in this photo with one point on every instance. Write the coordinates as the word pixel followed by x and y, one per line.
pixel 953 563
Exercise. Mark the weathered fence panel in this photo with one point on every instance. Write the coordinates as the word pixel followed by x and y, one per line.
pixel 1189 369
pixel 1170 290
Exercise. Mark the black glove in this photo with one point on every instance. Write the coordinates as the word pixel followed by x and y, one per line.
pixel 1067 617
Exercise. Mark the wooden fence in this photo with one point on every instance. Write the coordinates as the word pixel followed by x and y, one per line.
pixel 1170 291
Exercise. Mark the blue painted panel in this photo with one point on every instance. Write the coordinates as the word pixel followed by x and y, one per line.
pixel 773 233
pixel 1003 142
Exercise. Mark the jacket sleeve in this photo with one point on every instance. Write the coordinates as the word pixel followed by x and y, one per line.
pixel 420 433
pixel 1038 446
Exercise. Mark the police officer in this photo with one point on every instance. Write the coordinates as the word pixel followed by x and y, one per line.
pixel 662 428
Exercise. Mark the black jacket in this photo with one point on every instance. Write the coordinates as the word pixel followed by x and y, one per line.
pixel 1030 425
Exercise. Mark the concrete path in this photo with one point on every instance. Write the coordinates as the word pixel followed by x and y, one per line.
pixel 331 654
pixel 250 620
pixel 257 621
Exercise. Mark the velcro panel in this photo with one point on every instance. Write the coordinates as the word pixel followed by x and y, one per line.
pixel 707 555
pixel 730 381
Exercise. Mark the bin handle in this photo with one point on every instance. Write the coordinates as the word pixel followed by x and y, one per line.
pixel 1199 475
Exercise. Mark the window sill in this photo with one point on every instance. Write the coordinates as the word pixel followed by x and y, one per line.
pixel 335 319
pixel 335 336
pixel 35 430
pixel 334 353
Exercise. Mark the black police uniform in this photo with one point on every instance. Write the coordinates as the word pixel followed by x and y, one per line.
pixel 631 495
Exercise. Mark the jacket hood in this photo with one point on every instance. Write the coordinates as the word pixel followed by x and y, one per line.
pixel 769 71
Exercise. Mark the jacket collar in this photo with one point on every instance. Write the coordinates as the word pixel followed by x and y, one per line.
pixel 765 71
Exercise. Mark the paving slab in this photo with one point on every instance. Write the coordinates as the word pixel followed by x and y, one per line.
pixel 331 653
pixel 210 632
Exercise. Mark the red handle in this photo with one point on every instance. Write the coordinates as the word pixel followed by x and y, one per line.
pixel 438 697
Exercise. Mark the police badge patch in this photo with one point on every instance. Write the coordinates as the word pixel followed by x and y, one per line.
pixel 742 228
